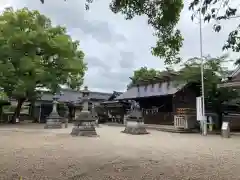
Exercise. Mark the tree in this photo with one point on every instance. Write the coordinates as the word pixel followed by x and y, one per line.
pixel 35 54
pixel 143 74
pixel 217 11
pixel 163 16
pixel 214 74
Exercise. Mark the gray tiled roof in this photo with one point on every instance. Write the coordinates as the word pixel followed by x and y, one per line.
pixel 235 72
pixel 74 96
pixel 158 89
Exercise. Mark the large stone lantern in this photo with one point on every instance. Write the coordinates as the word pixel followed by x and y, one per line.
pixel 54 120
pixel 84 124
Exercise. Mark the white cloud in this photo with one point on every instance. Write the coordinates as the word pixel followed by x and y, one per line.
pixel 115 47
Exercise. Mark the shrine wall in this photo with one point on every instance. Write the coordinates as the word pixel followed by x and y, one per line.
pixel 164 113
pixel 157 110
pixel 234 121
pixel 186 98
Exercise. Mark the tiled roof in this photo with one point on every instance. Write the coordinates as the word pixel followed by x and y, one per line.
pixel 235 72
pixel 158 89
pixel 114 95
pixel 75 96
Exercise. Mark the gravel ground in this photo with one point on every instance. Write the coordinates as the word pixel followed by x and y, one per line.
pixel 37 154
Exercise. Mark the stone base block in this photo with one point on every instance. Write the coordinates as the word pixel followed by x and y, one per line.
pixel 135 130
pixel 66 125
pixel 84 131
pixel 55 125
pixel 225 134
pixel 97 125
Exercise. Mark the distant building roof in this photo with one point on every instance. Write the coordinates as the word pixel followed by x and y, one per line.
pixel 233 80
pixel 114 95
pixel 157 89
pixel 70 95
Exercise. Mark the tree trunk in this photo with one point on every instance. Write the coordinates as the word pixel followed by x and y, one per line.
pixel 17 110
pixel 219 112
pixel 1 111
pixel 70 113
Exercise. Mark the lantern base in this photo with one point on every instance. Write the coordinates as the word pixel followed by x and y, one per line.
pixel 135 128
pixel 84 130
pixel 53 125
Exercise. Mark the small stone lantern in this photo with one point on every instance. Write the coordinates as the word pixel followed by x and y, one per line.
pixel 54 120
pixel 84 124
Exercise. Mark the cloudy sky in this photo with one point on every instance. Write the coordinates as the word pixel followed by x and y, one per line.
pixel 115 47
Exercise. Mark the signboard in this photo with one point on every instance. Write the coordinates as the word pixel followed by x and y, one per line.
pixel 225 130
pixel 224 125
pixel 199 109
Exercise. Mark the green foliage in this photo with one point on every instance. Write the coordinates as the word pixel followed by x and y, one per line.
pixel 214 73
pixel 218 11
pixel 144 73
pixel 3 96
pixel 35 54
pixel 163 16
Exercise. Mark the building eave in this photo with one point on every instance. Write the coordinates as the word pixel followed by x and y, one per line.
pixel 229 84
pixel 235 72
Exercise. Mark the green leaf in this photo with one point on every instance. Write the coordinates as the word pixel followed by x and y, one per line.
pixel 33 53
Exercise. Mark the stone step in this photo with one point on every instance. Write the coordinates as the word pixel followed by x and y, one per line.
pixel 163 128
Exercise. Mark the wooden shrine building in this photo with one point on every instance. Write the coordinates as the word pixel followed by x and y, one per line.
pixel 233 116
pixel 112 110
pixel 163 100
pixel 233 80
pixel 71 98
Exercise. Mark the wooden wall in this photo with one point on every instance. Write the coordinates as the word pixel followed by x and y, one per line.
pixel 186 98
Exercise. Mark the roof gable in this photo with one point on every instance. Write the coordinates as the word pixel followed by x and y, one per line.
pixel 156 89
pixel 236 72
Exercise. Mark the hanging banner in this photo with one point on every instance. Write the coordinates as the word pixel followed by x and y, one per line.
pixel 199 109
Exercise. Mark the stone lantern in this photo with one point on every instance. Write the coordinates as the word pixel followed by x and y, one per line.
pixel 54 120
pixel 84 124
pixel 134 121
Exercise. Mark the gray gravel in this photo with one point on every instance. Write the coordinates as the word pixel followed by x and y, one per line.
pixel 38 154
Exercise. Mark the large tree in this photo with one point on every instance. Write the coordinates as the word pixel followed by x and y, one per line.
pixel 35 54
pixel 216 12
pixel 214 73
pixel 162 15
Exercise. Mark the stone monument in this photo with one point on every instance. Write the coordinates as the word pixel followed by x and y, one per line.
pixel 134 121
pixel 54 121
pixel 84 124
pixel 225 130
